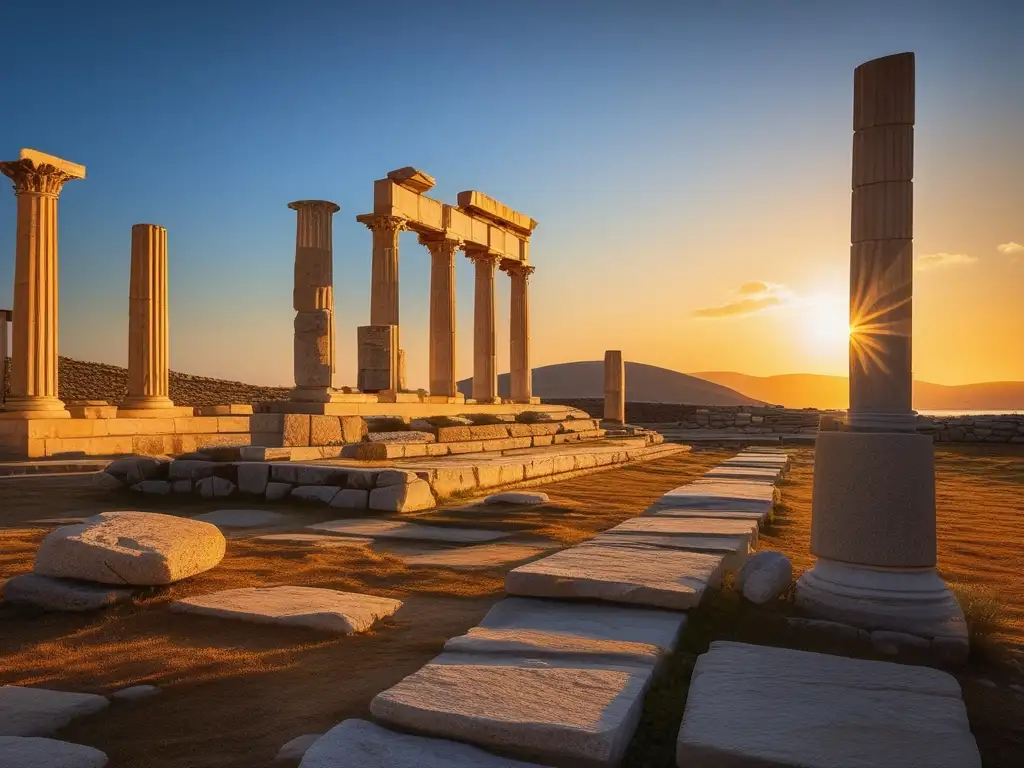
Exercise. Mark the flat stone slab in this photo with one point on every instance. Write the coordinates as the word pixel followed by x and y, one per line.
pixel 34 752
pixel 344 613
pixel 620 573
pixel 52 594
pixel 688 527
pixel 312 539
pixel 41 712
pixel 242 518
pixel 390 529
pixel 140 548
pixel 757 460
pixel 479 556
pixel 567 709
pixel 362 744
pixel 753 706
pixel 526 498
pixel 733 472
pixel 657 510
pixel 730 495
pixel 135 692
pixel 531 627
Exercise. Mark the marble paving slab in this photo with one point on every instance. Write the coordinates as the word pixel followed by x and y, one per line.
pixel 750 706
pixel 737 472
pixel 620 573
pixel 329 610
pixel 476 556
pixel 391 529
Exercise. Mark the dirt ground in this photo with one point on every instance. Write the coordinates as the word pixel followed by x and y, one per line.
pixel 233 693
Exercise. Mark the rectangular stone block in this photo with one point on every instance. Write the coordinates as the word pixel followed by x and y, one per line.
pixel 233 424
pixel 125 426
pixel 377 358
pixel 883 211
pixel 192 424
pixel 90 446
pixel 267 422
pixel 452 434
pixel 477 202
pixel 488 431
pixel 295 429
pixel 153 445
pixel 543 440
pixel 233 409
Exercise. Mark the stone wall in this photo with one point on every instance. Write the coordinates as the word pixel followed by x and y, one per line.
pixel 1006 428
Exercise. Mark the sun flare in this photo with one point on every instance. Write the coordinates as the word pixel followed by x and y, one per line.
pixel 827 322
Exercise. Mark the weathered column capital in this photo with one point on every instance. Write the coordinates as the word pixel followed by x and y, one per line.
pixel 36 179
pixel 382 223
pixel 481 256
pixel 517 269
pixel 441 246
pixel 325 205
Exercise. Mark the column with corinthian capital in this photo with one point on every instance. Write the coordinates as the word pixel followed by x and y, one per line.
pixel 442 315
pixel 485 364
pixel 38 179
pixel 520 374
pixel 384 278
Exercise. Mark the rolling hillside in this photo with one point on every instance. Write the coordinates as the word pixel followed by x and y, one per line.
pixel 644 383
pixel 802 390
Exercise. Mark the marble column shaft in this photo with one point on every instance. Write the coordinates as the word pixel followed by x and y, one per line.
pixel 520 373
pixel 881 252
pixel 384 268
pixel 614 386
pixel 442 315
pixel 148 327
pixel 313 295
pixel 34 355
pixel 485 364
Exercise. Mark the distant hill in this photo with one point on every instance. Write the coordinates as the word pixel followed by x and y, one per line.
pixel 644 384
pixel 802 390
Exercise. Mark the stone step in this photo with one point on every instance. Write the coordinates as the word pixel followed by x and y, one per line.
pixel 621 573
pixel 749 706
pixel 735 472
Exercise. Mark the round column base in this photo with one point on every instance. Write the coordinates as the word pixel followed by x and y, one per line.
pixel 915 601
pixel 34 408
pixel 144 403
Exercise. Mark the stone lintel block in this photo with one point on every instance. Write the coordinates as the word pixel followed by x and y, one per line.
pixel 475 202
pixel 889 522
pixel 74 170
pixel 883 211
pixel 882 154
pixel 883 92
pixel 412 178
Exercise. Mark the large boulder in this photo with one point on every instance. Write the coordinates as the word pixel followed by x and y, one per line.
pixel 764 576
pixel 140 548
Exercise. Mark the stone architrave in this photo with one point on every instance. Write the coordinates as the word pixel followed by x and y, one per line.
pixel 442 315
pixel 377 358
pixel 614 386
pixel 5 319
pixel 873 525
pixel 520 374
pixel 384 269
pixel 148 328
pixel 313 300
pixel 38 179
pixel 485 363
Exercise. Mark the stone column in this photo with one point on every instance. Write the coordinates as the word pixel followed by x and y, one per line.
pixel 881 254
pixel 384 275
pixel 148 331
pixel 614 387
pixel 313 300
pixel 873 523
pixel 520 373
pixel 5 319
pixel 38 180
pixel 485 364
pixel 442 315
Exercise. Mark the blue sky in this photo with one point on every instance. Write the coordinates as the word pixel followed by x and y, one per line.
pixel 671 151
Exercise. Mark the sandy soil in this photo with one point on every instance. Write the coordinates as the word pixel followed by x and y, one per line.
pixel 234 693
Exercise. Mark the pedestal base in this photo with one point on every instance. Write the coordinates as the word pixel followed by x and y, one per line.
pixel 34 408
pixel 917 602
pixel 325 395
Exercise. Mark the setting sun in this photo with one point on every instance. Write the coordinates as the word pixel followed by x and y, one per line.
pixel 827 323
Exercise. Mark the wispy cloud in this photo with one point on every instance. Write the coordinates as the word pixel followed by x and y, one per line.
pixel 754 297
pixel 1011 248
pixel 935 260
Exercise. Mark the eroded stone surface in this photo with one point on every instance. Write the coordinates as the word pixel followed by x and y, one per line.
pixel 351 498
pixel 556 708
pixel 753 706
pixel 325 609
pixel 41 712
pixel 764 576
pixel 35 752
pixel 392 529
pixel 241 518
pixel 141 548
pixel 52 594
pixel 362 744
pixel 403 497
pixel 621 573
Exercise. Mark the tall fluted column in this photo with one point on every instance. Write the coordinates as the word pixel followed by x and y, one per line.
pixel 873 523
pixel 442 315
pixel 614 386
pixel 148 330
pixel 38 180
pixel 485 364
pixel 313 300
pixel 520 374
pixel 881 254
pixel 5 319
pixel 384 279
